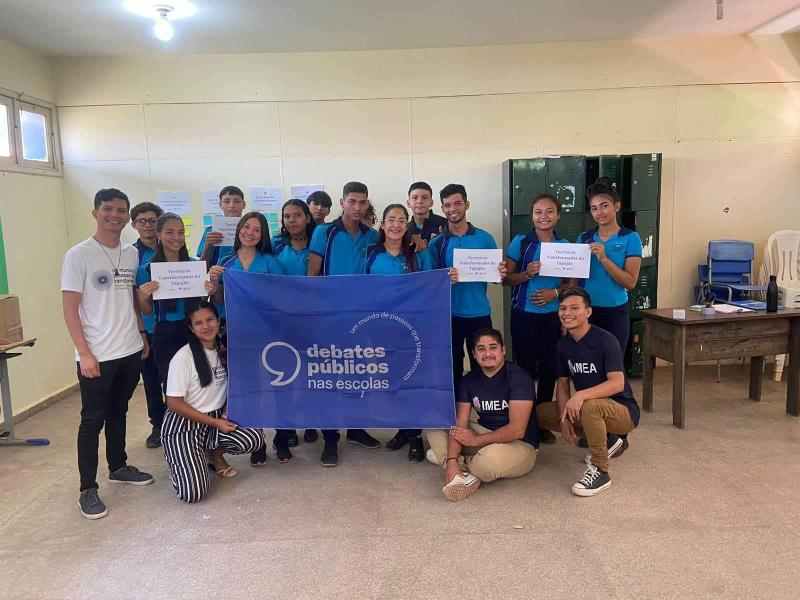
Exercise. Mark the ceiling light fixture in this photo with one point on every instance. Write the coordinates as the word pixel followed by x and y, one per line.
pixel 163 29
pixel 164 13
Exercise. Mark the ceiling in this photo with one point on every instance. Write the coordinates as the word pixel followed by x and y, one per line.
pixel 82 27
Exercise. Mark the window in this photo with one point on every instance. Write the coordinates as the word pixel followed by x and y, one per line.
pixel 28 139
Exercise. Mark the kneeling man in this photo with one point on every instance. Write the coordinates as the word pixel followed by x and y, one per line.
pixel 602 404
pixel 502 441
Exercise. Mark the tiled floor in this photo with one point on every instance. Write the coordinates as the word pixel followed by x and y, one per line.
pixel 709 512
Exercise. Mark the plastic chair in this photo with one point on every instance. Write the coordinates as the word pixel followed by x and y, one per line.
pixel 730 268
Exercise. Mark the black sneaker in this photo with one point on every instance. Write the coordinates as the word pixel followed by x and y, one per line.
pixel 416 451
pixel 330 455
pixel 359 437
pixel 259 457
pixel 154 439
pixel 90 504
pixel 310 436
pixel 130 475
pixel 292 438
pixel 546 437
pixel 398 441
pixel 592 483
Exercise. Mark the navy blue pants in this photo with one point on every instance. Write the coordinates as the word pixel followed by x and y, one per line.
pixel 615 320
pixel 152 388
pixel 533 338
pixel 168 338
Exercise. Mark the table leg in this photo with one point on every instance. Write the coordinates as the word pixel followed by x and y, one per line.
pixel 647 373
pixel 756 375
pixel 793 372
pixel 679 378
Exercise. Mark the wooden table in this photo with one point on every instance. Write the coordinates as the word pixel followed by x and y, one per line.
pixel 699 337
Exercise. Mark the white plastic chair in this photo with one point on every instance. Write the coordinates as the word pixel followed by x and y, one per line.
pixel 782 259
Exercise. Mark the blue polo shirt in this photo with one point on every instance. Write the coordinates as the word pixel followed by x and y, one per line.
pixel 606 292
pixel 433 226
pixel 163 310
pixel 342 253
pixel 524 249
pixel 380 262
pixel 220 252
pixel 262 263
pixel 145 254
pixel 469 298
pixel 294 262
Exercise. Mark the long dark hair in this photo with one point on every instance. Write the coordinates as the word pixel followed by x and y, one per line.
pixel 183 253
pixel 201 363
pixel 406 246
pixel 264 245
pixel 304 207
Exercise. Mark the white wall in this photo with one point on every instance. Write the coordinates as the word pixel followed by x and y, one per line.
pixel 723 111
pixel 35 231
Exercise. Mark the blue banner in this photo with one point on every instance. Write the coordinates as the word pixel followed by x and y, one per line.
pixel 368 351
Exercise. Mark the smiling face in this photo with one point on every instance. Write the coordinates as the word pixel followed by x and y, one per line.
pixel 544 215
pixel 489 353
pixel 420 201
pixel 455 208
pixel 295 220
pixel 205 325
pixel 604 209
pixel 395 224
pixel 250 233
pixel 573 312
pixel 112 216
pixel 232 205
pixel 172 235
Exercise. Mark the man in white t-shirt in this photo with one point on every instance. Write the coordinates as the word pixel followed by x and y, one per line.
pixel 103 318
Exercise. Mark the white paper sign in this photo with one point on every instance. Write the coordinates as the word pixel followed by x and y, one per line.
pixel 565 260
pixel 477 265
pixel 227 227
pixel 179 203
pixel 211 203
pixel 185 279
pixel 266 199
pixel 304 191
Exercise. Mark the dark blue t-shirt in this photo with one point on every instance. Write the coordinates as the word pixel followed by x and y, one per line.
pixel 490 397
pixel 588 362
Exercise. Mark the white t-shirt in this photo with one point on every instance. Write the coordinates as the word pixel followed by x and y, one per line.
pixel 107 315
pixel 184 382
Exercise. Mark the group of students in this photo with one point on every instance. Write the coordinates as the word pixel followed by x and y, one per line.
pixel 120 331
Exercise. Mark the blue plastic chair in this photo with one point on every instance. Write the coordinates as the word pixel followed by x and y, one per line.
pixel 730 269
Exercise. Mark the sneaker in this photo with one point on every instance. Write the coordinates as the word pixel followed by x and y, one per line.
pixel 416 451
pixel 616 446
pixel 359 437
pixel 431 457
pixel 154 439
pixel 592 483
pixel 310 436
pixel 259 457
pixel 130 475
pixel 398 441
pixel 461 486
pixel 292 438
pixel 90 504
pixel 330 455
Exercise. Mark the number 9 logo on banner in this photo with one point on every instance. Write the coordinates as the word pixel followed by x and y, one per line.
pixel 280 374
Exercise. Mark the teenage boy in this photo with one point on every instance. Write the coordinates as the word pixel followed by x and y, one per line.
pixel 319 203
pixel 471 310
pixel 231 201
pixel 104 321
pixel 144 217
pixel 589 357
pixel 424 224
pixel 504 440
pixel 340 248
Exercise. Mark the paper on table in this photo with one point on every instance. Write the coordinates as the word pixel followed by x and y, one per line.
pixel 179 203
pixel 227 227
pixel 304 191
pixel 185 279
pixel 727 309
pixel 477 265
pixel 565 260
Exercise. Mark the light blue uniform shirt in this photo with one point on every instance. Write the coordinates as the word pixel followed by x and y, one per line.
pixel 606 292
pixel 380 262
pixel 145 254
pixel 294 262
pixel 533 251
pixel 163 310
pixel 220 252
pixel 262 263
pixel 342 253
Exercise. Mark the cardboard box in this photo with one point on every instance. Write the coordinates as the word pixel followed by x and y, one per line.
pixel 10 322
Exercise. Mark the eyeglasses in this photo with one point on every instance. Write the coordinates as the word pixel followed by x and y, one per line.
pixel 142 221
pixel 395 221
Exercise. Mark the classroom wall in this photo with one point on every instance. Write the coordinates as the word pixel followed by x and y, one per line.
pixel 35 230
pixel 722 110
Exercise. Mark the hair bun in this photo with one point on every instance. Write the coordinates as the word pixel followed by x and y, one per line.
pixel 605 186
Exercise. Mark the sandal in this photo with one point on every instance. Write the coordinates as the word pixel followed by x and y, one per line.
pixel 221 467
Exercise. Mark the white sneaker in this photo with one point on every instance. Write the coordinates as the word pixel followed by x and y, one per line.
pixel 461 486
pixel 618 447
pixel 431 456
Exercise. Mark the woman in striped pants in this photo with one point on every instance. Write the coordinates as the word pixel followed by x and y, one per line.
pixel 194 424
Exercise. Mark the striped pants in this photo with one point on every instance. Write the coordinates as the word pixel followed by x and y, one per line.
pixel 185 443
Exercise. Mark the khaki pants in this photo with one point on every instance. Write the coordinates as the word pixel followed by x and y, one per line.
pixel 495 461
pixel 598 417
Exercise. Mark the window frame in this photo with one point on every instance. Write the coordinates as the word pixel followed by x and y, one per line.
pixel 7 162
pixel 17 162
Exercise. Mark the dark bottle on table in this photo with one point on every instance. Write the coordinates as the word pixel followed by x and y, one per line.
pixel 772 294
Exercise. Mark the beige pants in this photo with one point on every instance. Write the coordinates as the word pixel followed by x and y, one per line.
pixel 495 461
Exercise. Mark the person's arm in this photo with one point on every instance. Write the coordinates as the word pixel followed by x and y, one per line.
pixel 179 406
pixel 314 264
pixel 71 302
pixel 453 445
pixel 145 296
pixel 519 414
pixel 626 277
pixel 611 386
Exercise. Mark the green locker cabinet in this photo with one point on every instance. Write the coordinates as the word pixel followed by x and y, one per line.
pixel 528 178
pixel 643 296
pixel 645 181
pixel 566 180
pixel 646 222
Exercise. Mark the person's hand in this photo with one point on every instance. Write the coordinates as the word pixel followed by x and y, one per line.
pixel 572 410
pixel 90 368
pixel 544 296
pixel 418 243
pixel 568 432
pixel 502 268
pixel 146 347
pixel 225 426
pixel 599 250
pixel 148 288
pixel 215 273
pixel 211 287
pixel 533 268
pixel 464 436
pixel 453 272
pixel 214 238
